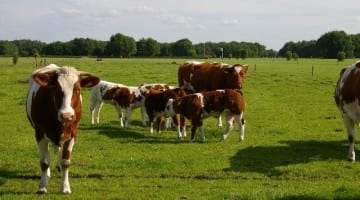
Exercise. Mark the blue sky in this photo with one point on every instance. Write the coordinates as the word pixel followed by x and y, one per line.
pixel 268 22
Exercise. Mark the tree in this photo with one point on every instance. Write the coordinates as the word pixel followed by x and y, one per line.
pixel 289 55
pixel 121 45
pixel 82 46
pixel 183 47
pixel 329 44
pixel 341 56
pixel 147 47
pixel 7 48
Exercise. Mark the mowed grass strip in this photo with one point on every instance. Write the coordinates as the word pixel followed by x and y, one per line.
pixel 295 144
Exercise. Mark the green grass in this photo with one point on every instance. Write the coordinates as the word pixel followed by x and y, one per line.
pixel 295 144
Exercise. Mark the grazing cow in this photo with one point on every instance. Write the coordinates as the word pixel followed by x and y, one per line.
pixel 199 106
pixel 128 98
pixel 155 104
pixel 347 97
pixel 205 76
pixel 54 109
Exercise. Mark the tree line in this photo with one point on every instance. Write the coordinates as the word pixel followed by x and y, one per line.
pixel 329 45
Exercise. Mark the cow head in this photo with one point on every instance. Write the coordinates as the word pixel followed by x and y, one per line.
pixel 66 83
pixel 234 76
pixel 169 108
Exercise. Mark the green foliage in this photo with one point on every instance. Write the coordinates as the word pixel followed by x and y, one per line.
pixel 15 57
pixel 289 55
pixel 147 47
pixel 341 56
pixel 121 46
pixel 183 47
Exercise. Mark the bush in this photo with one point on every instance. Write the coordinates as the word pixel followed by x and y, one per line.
pixel 341 56
pixel 15 57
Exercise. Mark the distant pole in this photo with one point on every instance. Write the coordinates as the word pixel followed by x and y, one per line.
pixel 312 70
pixel 222 52
pixel 204 49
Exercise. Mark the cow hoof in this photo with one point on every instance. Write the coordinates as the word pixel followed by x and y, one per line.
pixel 66 192
pixel 351 159
pixel 41 191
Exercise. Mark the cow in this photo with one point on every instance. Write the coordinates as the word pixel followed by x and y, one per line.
pixel 126 98
pixel 155 103
pixel 205 76
pixel 53 108
pixel 96 100
pixel 347 97
pixel 196 107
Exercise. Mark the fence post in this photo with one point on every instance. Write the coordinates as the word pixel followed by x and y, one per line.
pixel 312 70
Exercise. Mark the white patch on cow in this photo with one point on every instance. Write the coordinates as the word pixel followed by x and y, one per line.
pixel 201 97
pixel 221 91
pixel 169 108
pixel 238 69
pixel 352 110
pixel 194 62
pixel 68 76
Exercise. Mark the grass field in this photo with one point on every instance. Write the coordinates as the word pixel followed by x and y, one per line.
pixel 295 144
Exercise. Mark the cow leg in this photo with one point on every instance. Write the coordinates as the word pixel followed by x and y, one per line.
pixel 120 115
pixel 151 122
pixel 229 125
pixel 176 120
pixel 219 121
pixel 195 122
pixel 43 145
pixel 127 116
pixel 183 125
pixel 95 108
pixel 159 120
pixel 65 164
pixel 349 124
pixel 143 111
pixel 202 136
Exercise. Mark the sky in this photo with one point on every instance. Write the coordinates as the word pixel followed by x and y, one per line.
pixel 269 22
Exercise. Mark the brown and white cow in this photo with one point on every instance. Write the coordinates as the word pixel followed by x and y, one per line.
pixel 347 98
pixel 96 100
pixel 205 76
pixel 123 97
pixel 196 107
pixel 54 110
pixel 155 104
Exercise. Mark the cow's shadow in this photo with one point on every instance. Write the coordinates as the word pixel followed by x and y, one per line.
pixel 266 159
pixel 114 131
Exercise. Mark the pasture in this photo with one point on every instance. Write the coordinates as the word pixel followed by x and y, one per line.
pixel 295 144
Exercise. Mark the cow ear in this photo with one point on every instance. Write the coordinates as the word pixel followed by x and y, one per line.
pixel 244 68
pixel 87 81
pixel 227 70
pixel 45 79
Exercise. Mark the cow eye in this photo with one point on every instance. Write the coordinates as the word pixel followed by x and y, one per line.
pixel 77 90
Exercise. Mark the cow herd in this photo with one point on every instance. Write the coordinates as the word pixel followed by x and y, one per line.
pixel 54 105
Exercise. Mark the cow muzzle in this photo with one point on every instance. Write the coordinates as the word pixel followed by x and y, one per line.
pixel 66 117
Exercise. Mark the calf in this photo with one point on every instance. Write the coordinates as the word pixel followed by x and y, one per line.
pixel 205 76
pixel 155 104
pixel 347 97
pixel 122 97
pixel 54 109
pixel 199 106
pixel 97 100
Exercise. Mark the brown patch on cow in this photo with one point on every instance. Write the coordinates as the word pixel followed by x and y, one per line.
pixel 124 97
pixel 211 76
